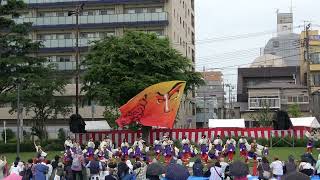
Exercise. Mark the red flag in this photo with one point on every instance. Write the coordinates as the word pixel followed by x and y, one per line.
pixel 157 105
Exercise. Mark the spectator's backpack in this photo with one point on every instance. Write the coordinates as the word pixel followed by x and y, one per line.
pixel 94 167
pixel 76 163
pixel 60 171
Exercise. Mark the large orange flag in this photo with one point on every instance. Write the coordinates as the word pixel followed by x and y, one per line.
pixel 157 105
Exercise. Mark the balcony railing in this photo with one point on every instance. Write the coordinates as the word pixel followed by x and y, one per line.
pixel 62 43
pixel 64 66
pixel 96 19
pixel 47 1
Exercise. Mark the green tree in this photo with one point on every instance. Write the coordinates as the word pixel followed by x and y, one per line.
pixel 18 60
pixel 41 100
pixel 263 116
pixel 294 111
pixel 121 67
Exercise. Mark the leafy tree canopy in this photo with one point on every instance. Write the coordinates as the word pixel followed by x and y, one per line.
pixel 121 67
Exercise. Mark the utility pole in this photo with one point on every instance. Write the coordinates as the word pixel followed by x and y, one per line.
pixel 18 118
pixel 204 97
pixel 77 12
pixel 307 59
pixel 223 103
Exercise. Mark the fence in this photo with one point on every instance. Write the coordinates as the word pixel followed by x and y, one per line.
pixel 193 134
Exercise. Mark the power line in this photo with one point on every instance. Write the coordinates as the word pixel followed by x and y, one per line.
pixel 208 60
pixel 237 65
pixel 234 37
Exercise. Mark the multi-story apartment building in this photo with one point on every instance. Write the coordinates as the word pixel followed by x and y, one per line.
pixel 314 67
pixel 210 98
pixel 99 18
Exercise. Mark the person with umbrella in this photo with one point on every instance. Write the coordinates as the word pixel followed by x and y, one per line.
pixel 176 172
pixel 155 170
pixel 239 170
pixel 123 172
pixel 197 168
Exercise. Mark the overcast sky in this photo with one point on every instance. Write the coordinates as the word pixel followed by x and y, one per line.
pixel 218 20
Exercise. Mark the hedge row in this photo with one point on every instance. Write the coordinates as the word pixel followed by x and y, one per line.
pixel 51 145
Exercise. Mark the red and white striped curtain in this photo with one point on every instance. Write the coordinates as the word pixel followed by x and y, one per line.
pixel 193 134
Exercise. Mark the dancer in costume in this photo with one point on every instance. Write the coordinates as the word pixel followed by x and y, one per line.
pixel 186 148
pixel 252 152
pixel 90 149
pixel 231 149
pixel 168 149
pixel 157 148
pixel 213 153
pixel 138 147
pixel 103 143
pixel 265 151
pixel 242 147
pixel 68 143
pixel 204 142
pixel 124 148
pixel 310 145
pixel 218 143
pixel 109 144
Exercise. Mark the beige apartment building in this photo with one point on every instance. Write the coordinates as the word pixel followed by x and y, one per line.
pixel 173 19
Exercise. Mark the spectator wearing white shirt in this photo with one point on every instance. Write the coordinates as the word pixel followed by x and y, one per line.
pixel 216 172
pixel 15 168
pixel 277 168
pixel 50 169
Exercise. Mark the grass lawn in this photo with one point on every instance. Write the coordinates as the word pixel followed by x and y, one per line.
pixel 28 155
pixel 281 152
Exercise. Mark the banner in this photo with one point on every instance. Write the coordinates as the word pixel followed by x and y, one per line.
pixel 156 106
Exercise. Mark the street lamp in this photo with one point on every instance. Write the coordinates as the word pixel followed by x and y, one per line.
pixel 18 82
pixel 76 12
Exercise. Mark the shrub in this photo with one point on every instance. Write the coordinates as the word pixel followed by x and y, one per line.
pixel 61 135
pixel 10 134
pixel 12 147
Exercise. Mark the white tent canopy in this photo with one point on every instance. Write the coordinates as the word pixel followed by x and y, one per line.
pixel 226 123
pixel 97 126
pixel 305 122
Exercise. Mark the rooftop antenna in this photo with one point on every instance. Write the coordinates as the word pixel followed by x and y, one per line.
pixel 291 11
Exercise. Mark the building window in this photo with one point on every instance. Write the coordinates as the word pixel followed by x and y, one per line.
pixel 63 58
pixel 158 32
pixel 88 13
pixel 262 102
pixel 275 44
pixel 315 78
pixel 315 58
pixel 180 20
pixel 107 11
pixel 298 99
pixel 63 36
pixel 61 14
pixel 49 58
